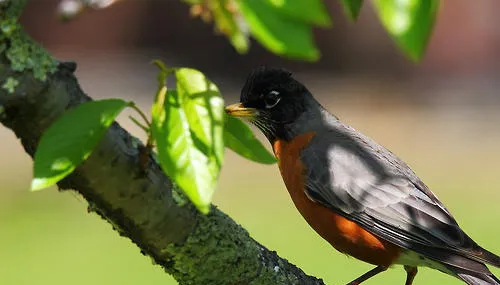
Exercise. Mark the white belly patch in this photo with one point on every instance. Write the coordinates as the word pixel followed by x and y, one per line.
pixel 414 259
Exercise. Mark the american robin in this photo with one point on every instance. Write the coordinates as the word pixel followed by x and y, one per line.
pixel 356 194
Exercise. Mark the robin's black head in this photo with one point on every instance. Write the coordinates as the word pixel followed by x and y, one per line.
pixel 271 98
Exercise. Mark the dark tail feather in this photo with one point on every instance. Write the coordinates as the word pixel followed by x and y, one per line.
pixel 478 253
pixel 475 278
pixel 489 257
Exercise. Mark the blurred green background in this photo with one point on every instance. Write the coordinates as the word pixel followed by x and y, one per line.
pixel 440 116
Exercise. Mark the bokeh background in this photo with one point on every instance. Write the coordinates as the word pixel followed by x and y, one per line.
pixel 442 116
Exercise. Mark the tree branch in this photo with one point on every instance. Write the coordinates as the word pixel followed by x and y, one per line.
pixel 140 202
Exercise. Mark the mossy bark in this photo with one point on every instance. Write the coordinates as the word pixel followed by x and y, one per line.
pixel 139 202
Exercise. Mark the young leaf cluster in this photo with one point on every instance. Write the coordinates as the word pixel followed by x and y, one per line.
pixel 189 129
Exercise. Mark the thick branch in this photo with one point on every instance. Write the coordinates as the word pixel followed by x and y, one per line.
pixel 138 201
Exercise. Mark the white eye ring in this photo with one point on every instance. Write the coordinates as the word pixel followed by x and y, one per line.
pixel 272 99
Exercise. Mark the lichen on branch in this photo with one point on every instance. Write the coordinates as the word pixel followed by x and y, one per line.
pixel 23 54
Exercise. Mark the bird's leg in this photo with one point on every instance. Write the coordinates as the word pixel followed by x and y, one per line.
pixel 368 275
pixel 410 274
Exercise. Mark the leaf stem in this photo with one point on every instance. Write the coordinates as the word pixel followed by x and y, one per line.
pixel 139 124
pixel 141 113
pixel 146 128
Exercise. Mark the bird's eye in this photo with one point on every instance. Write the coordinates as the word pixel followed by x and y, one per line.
pixel 272 99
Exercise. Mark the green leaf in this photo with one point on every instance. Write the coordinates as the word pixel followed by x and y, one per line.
pixel 409 22
pixel 277 32
pixel 310 11
pixel 229 23
pixel 204 108
pixel 352 8
pixel 71 139
pixel 240 138
pixel 188 130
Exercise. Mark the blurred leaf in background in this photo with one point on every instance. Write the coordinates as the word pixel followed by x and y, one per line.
pixel 227 20
pixel 312 12
pixel 409 22
pixel 279 32
pixel 352 8
pixel 282 26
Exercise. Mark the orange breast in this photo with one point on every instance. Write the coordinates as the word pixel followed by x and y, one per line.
pixel 344 235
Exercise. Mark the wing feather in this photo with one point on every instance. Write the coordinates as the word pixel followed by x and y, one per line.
pixel 368 184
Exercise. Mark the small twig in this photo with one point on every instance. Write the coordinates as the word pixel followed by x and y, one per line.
pixel 141 113
pixel 139 124
pixel 146 150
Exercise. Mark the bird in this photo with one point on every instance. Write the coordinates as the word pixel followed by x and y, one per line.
pixel 357 195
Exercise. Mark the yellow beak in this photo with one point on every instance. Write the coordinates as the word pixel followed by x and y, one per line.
pixel 237 110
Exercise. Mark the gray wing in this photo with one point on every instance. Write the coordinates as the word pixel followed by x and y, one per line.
pixel 366 183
